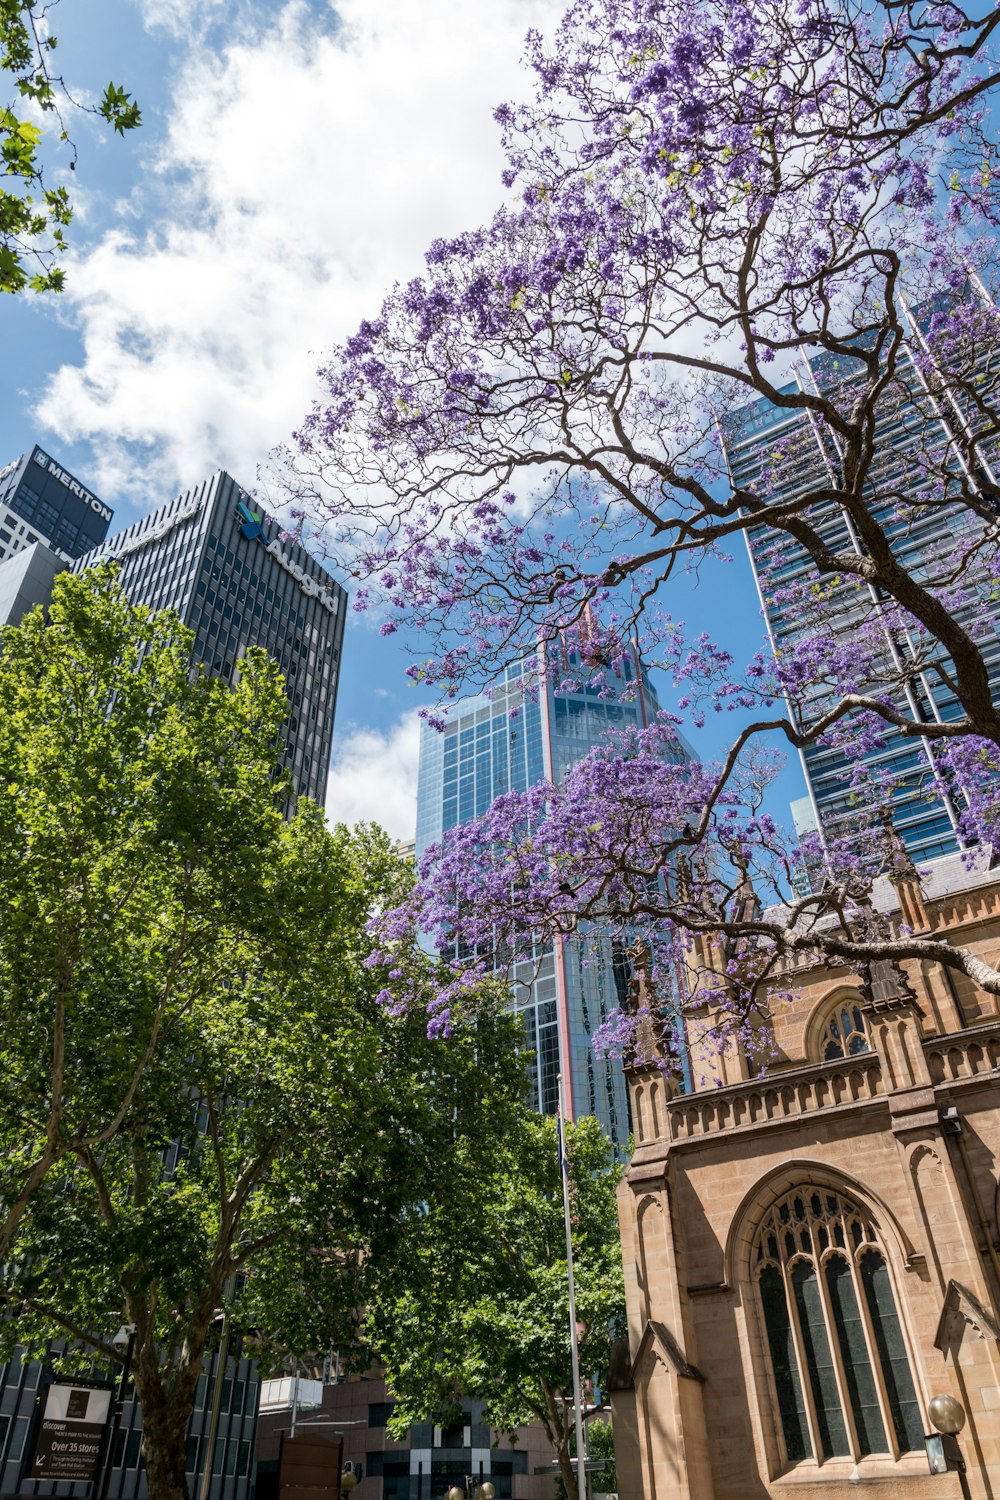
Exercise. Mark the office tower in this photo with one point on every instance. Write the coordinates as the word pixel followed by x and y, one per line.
pixel 41 501
pixel 911 426
pixel 525 732
pixel 212 557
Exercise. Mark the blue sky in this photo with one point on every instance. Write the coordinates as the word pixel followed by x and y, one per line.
pixel 295 159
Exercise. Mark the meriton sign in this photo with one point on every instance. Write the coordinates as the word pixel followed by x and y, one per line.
pixel 75 488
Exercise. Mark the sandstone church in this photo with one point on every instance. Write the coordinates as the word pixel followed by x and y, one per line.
pixel 813 1255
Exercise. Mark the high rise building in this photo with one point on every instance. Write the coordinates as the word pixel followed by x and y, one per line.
pixel 26 580
pixel 911 425
pixel 529 730
pixel 227 571
pixel 42 501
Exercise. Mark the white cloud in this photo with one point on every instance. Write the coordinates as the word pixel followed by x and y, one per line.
pixel 374 777
pixel 305 169
pixel 180 18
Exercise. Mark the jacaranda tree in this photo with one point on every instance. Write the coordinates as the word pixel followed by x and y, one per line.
pixel 713 213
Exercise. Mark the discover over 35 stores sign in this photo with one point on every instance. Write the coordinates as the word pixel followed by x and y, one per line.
pixel 70 1432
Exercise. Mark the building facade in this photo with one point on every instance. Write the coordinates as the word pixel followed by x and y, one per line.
pixel 236 1394
pixel 42 501
pixel 530 730
pixel 917 444
pixel 424 1465
pixel 26 580
pixel 812 1256
pixel 232 578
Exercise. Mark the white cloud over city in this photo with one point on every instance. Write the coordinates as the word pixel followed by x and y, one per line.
pixel 306 167
pixel 373 778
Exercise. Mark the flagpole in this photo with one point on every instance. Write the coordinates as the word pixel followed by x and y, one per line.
pixel 581 1469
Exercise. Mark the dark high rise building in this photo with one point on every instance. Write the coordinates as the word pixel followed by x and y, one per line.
pixel 211 556
pixel 925 812
pixel 41 501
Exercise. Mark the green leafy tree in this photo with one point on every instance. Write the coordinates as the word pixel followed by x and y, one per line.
pixel 33 216
pixel 137 818
pixel 478 1303
pixel 601 1444
pixel 195 1048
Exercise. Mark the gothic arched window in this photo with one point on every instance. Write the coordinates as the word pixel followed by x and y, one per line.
pixel 838 1360
pixel 844 1034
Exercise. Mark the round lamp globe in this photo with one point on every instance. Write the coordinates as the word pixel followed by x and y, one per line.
pixel 947 1414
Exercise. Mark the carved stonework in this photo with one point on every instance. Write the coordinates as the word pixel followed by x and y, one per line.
pixel 885 987
pixel 962 1309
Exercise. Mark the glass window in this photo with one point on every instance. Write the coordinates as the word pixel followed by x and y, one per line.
pixel 784 1366
pixel 845 1034
pixel 17 1439
pixel 839 1367
pixel 132 1449
pixel 902 1398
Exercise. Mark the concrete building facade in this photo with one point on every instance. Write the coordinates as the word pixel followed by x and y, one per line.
pixel 423 1465
pixel 812 1255
pixel 26 580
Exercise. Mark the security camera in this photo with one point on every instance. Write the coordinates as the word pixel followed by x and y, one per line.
pixel 121 1338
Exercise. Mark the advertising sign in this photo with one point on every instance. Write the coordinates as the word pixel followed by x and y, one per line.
pixel 70 1432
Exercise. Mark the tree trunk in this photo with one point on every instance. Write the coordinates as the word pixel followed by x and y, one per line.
pixel 558 1431
pixel 567 1470
pixel 164 1438
pixel 166 1413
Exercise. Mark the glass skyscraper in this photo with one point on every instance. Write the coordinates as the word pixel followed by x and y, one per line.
pixel 210 555
pixel 913 424
pixel 525 732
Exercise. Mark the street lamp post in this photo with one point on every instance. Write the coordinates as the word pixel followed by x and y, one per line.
pixel 943 1452
pixel 216 1411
